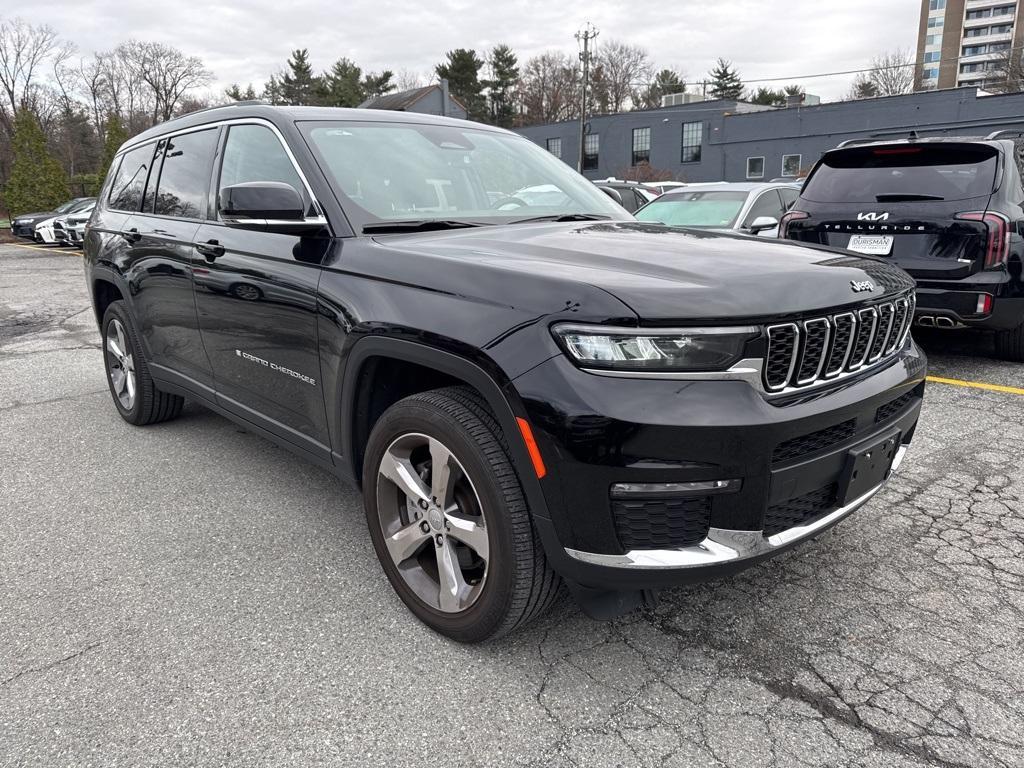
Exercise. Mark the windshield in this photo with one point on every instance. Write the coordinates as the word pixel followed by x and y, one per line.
pixel 903 173
pixel 82 205
pixel 695 209
pixel 407 171
pixel 65 207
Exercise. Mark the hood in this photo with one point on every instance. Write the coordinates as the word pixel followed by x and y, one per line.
pixel 33 216
pixel 666 274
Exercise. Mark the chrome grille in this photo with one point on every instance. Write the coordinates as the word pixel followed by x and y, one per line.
pixel 823 348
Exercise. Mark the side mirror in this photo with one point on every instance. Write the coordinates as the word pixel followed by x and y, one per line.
pixel 763 224
pixel 612 193
pixel 266 205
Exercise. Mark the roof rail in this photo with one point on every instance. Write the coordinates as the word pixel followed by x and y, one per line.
pixel 244 103
pixel 1006 132
pixel 912 136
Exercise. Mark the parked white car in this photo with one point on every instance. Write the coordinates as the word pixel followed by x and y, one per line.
pixel 749 208
pixel 46 230
pixel 74 226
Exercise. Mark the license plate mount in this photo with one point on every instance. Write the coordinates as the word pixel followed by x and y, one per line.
pixel 871 245
pixel 867 466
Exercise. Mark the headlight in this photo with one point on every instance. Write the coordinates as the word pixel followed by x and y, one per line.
pixel 648 349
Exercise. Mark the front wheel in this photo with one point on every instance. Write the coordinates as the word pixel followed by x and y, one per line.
pixel 1010 344
pixel 449 520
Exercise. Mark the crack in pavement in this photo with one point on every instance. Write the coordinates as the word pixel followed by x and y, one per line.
pixel 49 665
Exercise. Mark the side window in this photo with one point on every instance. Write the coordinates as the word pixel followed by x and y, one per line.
pixel 254 153
pixel 768 204
pixel 185 174
pixel 130 182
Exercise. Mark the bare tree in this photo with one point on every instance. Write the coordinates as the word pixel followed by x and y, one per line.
pixel 549 89
pixel 1007 72
pixel 24 50
pixel 620 70
pixel 168 72
pixel 407 80
pixel 892 73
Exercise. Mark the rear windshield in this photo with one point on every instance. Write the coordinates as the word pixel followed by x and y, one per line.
pixel 904 174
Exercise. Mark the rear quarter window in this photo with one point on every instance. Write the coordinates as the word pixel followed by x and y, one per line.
pixel 904 173
pixel 130 181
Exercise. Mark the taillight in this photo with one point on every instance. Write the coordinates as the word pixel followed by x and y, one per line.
pixel 997 250
pixel 787 218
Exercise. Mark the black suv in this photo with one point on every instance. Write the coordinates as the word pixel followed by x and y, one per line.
pixel 947 210
pixel 526 394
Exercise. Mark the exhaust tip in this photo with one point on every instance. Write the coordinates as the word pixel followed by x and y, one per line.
pixel 944 322
pixel 926 320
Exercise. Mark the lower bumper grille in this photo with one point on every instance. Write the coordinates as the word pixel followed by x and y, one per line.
pixel 661 523
pixel 800 510
pixel 894 407
pixel 814 442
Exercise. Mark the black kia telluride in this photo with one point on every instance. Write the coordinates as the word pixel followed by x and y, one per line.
pixel 527 392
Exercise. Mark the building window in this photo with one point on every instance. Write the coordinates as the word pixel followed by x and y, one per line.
pixel 936 21
pixel 972 50
pixel 693 137
pixel 1000 29
pixel 932 57
pixel 1003 10
pixel 554 146
pixel 591 145
pixel 976 32
pixel 755 167
pixel 936 5
pixel 930 74
pixel 996 47
pixel 933 39
pixel 791 165
pixel 641 145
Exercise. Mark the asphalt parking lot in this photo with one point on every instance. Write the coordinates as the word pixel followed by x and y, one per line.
pixel 189 594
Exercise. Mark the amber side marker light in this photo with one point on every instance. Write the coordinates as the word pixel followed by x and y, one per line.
pixel 531 447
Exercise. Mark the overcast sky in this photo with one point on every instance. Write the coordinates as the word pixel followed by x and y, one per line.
pixel 246 42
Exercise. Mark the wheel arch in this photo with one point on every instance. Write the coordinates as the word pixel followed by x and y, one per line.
pixel 107 287
pixel 448 368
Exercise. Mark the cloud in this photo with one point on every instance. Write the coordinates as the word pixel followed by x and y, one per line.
pixel 248 43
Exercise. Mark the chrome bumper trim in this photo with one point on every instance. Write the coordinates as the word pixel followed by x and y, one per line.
pixel 724 546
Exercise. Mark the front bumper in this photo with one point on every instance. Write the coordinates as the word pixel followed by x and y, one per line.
pixel 596 432
pixel 27 231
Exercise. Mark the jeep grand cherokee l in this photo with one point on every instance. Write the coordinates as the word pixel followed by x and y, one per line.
pixel 947 210
pixel 526 394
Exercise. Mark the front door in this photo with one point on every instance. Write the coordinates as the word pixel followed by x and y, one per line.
pixel 256 297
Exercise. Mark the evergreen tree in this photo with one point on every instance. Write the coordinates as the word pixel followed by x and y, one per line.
pixel 299 87
pixel 37 181
pixel 341 86
pixel 665 82
pixel 504 67
pixel 725 82
pixel 768 97
pixel 237 94
pixel 462 71
pixel 376 84
pixel 272 91
pixel 116 136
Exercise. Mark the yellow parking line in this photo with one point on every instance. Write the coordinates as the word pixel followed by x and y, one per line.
pixel 53 249
pixel 976 385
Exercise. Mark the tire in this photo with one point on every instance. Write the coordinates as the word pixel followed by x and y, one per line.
pixel 1010 344
pixel 135 395
pixel 516 584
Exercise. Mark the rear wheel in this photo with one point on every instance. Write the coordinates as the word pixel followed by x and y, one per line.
pixel 449 520
pixel 135 395
pixel 1010 344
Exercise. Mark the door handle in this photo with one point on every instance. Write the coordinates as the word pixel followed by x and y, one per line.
pixel 211 249
pixel 132 235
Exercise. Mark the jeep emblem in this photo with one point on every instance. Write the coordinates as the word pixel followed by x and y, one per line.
pixel 872 216
pixel 859 286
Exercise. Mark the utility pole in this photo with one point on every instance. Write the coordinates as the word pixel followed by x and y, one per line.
pixel 583 38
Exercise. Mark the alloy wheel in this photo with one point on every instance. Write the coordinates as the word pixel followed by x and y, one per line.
pixel 120 365
pixel 433 522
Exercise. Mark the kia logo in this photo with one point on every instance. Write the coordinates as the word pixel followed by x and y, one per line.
pixel 872 216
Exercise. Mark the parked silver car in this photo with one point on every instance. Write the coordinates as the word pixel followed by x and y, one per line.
pixel 752 209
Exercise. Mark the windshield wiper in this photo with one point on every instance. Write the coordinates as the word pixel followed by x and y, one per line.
pixel 418 225
pixel 903 197
pixel 564 217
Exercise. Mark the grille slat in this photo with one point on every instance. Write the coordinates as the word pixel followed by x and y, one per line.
pixel 800 510
pixel 805 445
pixel 824 348
pixel 893 407
pixel 661 523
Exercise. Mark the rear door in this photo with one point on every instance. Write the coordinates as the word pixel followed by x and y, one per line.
pixel 921 205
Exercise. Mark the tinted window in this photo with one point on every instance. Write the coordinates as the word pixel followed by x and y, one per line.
pixel 892 174
pixel 185 174
pixel 695 209
pixel 768 204
pixel 130 181
pixel 254 153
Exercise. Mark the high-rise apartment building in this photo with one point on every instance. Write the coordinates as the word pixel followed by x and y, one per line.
pixel 967 42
